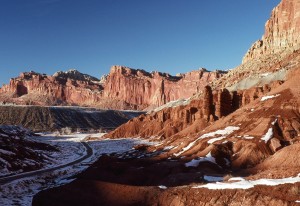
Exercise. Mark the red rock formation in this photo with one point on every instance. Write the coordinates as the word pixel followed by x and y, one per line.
pixel 191 118
pixel 143 89
pixel 35 88
pixel 282 31
pixel 123 88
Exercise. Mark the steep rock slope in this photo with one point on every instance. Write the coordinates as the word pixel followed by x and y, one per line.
pixel 20 154
pixel 143 89
pixel 122 88
pixel 55 118
pixel 282 32
pixel 271 57
pixel 190 116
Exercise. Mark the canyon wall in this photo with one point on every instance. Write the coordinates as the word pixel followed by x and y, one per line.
pixel 282 31
pixel 122 88
pixel 143 89
pixel 59 89
pixel 191 118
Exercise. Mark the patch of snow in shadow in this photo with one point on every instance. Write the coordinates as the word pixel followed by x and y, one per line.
pixel 196 162
pixel 213 178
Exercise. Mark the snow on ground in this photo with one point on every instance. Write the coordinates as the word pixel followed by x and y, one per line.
pixel 246 137
pixel 213 178
pixel 162 187
pixel 175 103
pixel 6 152
pixel 196 162
pixel 67 144
pixel 265 74
pixel 21 191
pixel 269 97
pixel 269 133
pixel 224 132
pixel 215 139
pixel 241 183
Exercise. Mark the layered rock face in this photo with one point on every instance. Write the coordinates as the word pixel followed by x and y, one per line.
pixel 271 57
pixel 123 88
pixel 193 117
pixel 62 88
pixel 282 31
pixel 143 89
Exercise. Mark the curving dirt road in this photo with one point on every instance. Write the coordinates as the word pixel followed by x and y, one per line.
pixel 5 180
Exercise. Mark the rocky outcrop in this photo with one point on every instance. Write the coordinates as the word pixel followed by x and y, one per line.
pixel 143 89
pixel 75 75
pixel 270 58
pixel 282 31
pixel 71 88
pixel 123 88
pixel 193 117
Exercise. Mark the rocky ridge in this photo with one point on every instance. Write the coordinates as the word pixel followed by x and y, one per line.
pixel 282 32
pixel 271 57
pixel 123 88
pixel 144 89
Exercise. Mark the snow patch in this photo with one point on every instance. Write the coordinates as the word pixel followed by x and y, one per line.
pixel 213 178
pixel 175 103
pixel 224 132
pixel 269 97
pixel 241 183
pixel 196 162
pixel 246 137
pixel 269 133
pixel 162 187
pixel 265 74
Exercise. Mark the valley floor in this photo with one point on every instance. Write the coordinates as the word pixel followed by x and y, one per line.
pixel 74 156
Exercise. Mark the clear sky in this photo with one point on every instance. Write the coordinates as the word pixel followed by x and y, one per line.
pixel 92 35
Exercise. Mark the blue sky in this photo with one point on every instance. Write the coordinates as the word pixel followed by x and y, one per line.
pixel 92 35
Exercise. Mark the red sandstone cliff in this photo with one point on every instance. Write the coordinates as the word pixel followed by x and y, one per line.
pixel 282 31
pixel 122 88
pixel 143 89
pixel 188 119
pixel 274 55
pixel 62 88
